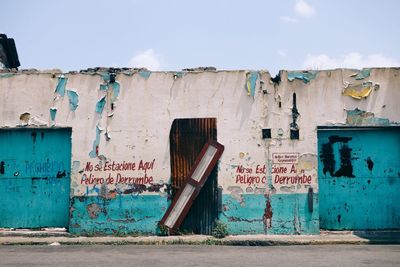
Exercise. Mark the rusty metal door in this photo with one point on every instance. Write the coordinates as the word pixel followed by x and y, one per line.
pixel 35 169
pixel 187 138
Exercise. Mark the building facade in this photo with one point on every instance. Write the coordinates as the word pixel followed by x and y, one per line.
pixel 103 151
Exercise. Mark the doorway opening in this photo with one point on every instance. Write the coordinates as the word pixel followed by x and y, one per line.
pixel 187 138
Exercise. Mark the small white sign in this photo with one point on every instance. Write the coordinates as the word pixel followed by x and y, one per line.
pixel 285 158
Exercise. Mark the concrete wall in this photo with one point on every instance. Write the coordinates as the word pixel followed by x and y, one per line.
pixel 120 173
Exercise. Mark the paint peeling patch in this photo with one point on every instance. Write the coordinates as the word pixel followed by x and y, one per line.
pixel 288 189
pixel 128 72
pixel 24 117
pixel 7 75
pixel 106 77
pixel 95 150
pixel 111 194
pixel 75 166
pixel 364 73
pixel 100 105
pixel 359 91
pixel 249 189
pixel 305 76
pixel 103 87
pixel 62 82
pixel 178 74
pixel 251 80
pixel 145 74
pixel 360 117
pixel 37 121
pixel 115 91
pixel 260 190
pixel 277 79
pixel 53 113
pixel 107 135
pixel 122 214
pixel 93 210
pixel 73 99
pixel 237 194
pixel 295 115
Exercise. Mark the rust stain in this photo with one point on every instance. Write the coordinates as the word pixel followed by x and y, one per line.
pixel 183 150
pixel 267 218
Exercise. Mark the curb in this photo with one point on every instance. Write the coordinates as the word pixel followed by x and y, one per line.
pixel 203 240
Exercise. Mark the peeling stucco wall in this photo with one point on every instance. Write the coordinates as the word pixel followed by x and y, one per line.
pixel 121 120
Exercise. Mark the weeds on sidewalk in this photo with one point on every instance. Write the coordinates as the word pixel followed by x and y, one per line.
pixel 220 229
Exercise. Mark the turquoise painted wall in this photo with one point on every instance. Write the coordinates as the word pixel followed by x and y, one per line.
pixel 34 177
pixel 359 179
pixel 290 214
pixel 124 214
pixel 140 214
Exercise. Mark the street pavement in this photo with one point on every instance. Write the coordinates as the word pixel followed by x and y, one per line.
pixel 194 255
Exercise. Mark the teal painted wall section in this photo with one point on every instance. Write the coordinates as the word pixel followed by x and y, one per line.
pixel 290 214
pixel 359 179
pixel 33 203
pixel 34 177
pixel 124 214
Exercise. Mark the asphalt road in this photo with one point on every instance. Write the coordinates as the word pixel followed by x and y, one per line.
pixel 134 255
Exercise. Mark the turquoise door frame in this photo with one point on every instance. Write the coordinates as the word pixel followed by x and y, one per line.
pixel 359 178
pixel 35 167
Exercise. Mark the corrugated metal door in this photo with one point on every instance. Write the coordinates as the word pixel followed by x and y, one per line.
pixel 359 178
pixel 34 177
pixel 187 138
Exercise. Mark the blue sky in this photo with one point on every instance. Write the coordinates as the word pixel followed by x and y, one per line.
pixel 174 34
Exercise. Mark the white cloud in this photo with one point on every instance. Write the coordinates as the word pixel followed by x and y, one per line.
pixel 303 9
pixel 288 19
pixel 147 59
pixel 281 52
pixel 350 60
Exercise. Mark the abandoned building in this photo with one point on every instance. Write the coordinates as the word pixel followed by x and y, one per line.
pixel 104 151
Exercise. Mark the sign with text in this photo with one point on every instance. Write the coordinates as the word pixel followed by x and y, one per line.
pixel 118 172
pixel 285 158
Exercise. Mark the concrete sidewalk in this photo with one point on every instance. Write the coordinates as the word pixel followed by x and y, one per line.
pixel 56 237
